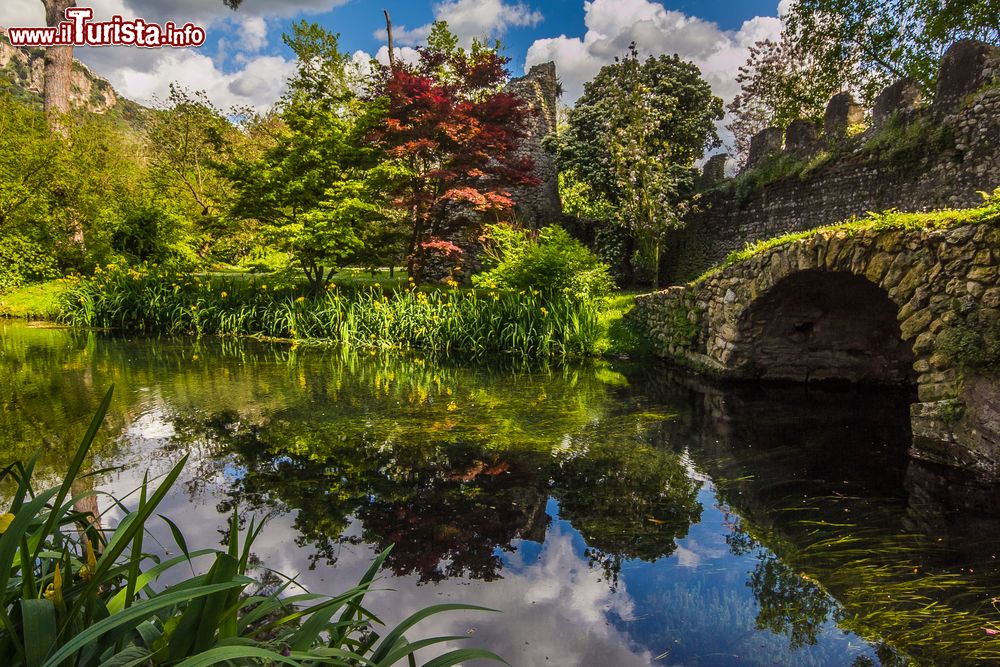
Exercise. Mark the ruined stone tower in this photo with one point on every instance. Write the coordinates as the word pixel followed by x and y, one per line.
pixel 539 205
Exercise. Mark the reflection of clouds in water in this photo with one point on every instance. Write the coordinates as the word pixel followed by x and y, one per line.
pixel 687 557
pixel 554 611
pixel 691 552
pixel 151 425
pixel 555 607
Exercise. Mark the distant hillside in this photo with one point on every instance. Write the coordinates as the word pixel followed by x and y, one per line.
pixel 22 75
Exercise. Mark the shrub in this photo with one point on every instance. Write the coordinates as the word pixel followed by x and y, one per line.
pixel 153 234
pixel 77 595
pixel 437 260
pixel 552 261
pixel 23 261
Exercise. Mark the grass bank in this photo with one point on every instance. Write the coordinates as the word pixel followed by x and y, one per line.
pixel 988 213
pixel 39 301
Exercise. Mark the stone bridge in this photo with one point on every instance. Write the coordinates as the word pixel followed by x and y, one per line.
pixel 916 308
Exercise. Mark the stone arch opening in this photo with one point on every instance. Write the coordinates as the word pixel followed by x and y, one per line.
pixel 826 326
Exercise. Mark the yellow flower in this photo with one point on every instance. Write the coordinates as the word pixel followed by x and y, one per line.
pixel 452 407
pixel 87 571
pixel 54 590
pixel 223 294
pixel 300 299
pixel 5 522
pixel 544 311
pixel 264 286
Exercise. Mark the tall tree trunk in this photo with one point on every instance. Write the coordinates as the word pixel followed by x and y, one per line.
pixel 656 266
pixel 388 30
pixel 58 83
pixel 58 69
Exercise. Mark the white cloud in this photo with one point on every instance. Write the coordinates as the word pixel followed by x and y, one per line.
pixel 253 33
pixel 469 19
pixel 406 54
pixel 485 18
pixel 613 24
pixel 404 36
pixel 259 83
pixel 19 13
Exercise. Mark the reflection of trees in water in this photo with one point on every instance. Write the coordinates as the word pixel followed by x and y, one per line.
pixel 629 500
pixel 822 508
pixel 451 509
pixel 453 466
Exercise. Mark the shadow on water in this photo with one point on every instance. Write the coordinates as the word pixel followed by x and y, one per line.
pixel 845 525
pixel 630 515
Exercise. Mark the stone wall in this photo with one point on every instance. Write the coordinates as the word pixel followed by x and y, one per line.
pixel 956 155
pixel 895 307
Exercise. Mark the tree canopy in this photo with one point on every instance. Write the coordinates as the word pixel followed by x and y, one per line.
pixel 454 132
pixel 633 138
pixel 315 188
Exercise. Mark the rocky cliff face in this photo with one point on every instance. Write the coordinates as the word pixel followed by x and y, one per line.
pixel 22 74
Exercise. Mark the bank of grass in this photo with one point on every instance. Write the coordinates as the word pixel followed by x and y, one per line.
pixel 619 336
pixel 39 301
pixel 452 322
pixel 988 213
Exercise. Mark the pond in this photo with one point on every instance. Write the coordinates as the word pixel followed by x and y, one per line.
pixel 615 513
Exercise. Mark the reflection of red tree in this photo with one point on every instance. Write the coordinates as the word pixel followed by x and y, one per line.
pixel 480 468
pixel 457 523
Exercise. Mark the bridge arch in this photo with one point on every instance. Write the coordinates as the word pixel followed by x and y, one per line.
pixel 861 304
pixel 817 325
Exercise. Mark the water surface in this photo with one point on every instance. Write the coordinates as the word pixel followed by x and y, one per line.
pixel 616 514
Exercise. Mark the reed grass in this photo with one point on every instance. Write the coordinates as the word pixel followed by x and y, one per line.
pixel 472 323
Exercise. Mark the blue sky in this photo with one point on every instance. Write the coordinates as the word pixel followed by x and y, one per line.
pixel 245 63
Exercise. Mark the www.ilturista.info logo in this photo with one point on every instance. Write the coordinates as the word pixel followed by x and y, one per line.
pixel 79 30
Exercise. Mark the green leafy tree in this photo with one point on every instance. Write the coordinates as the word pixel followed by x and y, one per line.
pixel 876 41
pixel 779 83
pixel 316 189
pixel 54 187
pixel 190 143
pixel 633 138
pixel 27 164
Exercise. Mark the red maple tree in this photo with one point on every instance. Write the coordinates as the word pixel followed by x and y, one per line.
pixel 456 132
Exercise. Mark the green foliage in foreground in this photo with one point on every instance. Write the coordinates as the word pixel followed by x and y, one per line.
pixel 455 322
pixel 76 595
pixel 988 213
